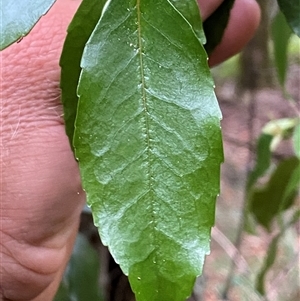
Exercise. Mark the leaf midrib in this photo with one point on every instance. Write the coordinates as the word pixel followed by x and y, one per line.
pixel 146 112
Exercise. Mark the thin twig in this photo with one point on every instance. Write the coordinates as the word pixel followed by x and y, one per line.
pixel 229 248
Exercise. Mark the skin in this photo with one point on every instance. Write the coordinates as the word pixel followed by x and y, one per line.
pixel 41 196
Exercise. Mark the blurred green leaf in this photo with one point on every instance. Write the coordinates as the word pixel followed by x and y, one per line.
pixel 18 17
pixel 281 33
pixel 263 159
pixel 79 31
pixel 291 187
pixel 215 25
pixel 148 141
pixel 269 261
pixel 272 254
pixel 190 11
pixel 272 133
pixel 277 195
pixel 291 11
pixel 63 293
pixel 81 278
pixel 263 162
pixel 280 129
pixel 296 140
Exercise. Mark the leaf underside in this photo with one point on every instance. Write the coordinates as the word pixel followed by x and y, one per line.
pixel 147 137
pixel 215 25
pixel 18 19
pixel 79 31
pixel 291 11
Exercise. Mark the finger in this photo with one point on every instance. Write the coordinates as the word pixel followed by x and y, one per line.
pixel 244 20
pixel 42 196
pixel 35 58
pixel 207 7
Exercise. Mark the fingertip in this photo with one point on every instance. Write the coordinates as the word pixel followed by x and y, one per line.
pixel 244 20
pixel 208 7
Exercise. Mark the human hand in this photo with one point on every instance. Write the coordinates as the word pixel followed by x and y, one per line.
pixel 41 196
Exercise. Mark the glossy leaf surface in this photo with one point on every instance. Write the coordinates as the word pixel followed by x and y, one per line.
pixel 148 141
pixel 190 11
pixel 291 11
pixel 79 31
pixel 18 19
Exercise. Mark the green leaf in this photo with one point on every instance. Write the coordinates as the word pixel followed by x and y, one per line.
pixel 269 261
pixel 62 293
pixel 80 281
pixel 271 255
pixel 291 11
pixel 215 25
pixel 296 140
pixel 148 141
pixel 18 18
pixel 281 33
pixel 190 11
pixel 272 133
pixel 291 187
pixel 263 159
pixel 262 164
pixel 79 31
pixel 280 129
pixel 278 195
